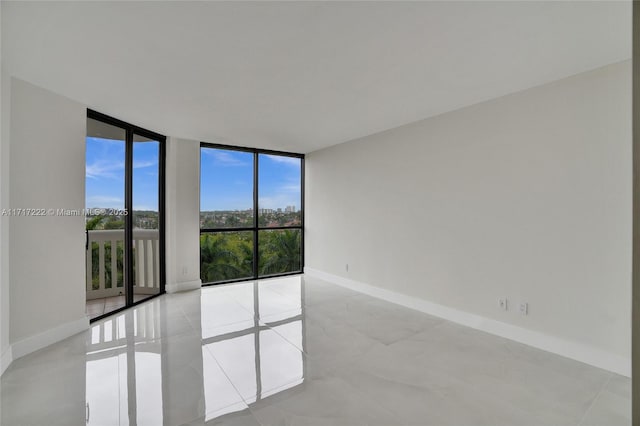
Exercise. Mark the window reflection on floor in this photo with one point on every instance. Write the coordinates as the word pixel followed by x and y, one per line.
pixel 250 342
pixel 124 369
pixel 280 365
pixel 237 358
pixel 107 391
pixel 226 309
pixel 148 388
pixel 219 393
pixel 275 335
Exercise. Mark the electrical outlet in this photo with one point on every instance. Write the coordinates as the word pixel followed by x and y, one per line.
pixel 503 304
pixel 524 308
pixel 184 270
pixel 346 267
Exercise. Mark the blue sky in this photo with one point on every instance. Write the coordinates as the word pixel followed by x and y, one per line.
pixel 226 176
pixel 227 180
pixel 105 174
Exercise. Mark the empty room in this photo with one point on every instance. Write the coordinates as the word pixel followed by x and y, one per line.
pixel 318 213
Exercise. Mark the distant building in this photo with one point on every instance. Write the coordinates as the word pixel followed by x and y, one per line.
pixel 290 209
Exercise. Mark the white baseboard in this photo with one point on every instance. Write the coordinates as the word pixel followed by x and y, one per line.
pixel 49 337
pixel 5 359
pixel 567 348
pixel 183 286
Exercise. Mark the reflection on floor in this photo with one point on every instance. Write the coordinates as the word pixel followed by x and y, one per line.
pixel 97 307
pixel 298 350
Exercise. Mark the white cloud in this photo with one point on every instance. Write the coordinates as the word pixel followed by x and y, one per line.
pixel 114 169
pixel 105 169
pixel 222 158
pixel 291 188
pixel 145 163
pixel 290 161
pixel 112 142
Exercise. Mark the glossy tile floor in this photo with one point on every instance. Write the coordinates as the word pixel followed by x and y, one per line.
pixel 97 307
pixel 299 351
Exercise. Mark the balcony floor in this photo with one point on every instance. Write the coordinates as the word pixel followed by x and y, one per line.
pixel 97 307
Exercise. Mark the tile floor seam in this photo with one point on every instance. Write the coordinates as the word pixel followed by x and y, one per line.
pixel 226 375
pixel 184 314
pixel 593 401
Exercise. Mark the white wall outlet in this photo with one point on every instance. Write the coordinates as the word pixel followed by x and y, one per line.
pixel 184 270
pixel 524 308
pixel 346 267
pixel 503 304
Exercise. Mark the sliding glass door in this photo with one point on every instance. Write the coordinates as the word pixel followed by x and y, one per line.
pixel 251 213
pixel 124 214
pixel 105 218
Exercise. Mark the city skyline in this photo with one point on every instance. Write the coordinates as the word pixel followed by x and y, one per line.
pixel 286 209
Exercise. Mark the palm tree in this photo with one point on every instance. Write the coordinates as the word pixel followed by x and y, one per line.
pixel 217 261
pixel 281 252
pixel 94 222
pixel 246 258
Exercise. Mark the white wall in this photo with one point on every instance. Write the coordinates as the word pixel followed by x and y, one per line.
pixel 46 254
pixel 183 215
pixel 526 197
pixel 5 353
pixel 43 141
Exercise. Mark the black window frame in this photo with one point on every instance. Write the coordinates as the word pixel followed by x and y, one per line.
pixel 130 131
pixel 256 228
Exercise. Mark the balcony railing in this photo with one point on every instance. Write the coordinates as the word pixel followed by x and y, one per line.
pixel 105 260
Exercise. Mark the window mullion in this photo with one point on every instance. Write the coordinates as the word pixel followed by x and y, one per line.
pixel 256 253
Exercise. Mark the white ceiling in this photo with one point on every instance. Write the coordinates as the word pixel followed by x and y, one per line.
pixel 299 76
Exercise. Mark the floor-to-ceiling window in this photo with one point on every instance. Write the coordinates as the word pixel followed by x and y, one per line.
pixel 251 213
pixel 124 215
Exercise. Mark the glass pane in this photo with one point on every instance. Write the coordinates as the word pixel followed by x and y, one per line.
pixel 226 256
pixel 104 217
pixel 226 189
pixel 279 251
pixel 280 198
pixel 145 218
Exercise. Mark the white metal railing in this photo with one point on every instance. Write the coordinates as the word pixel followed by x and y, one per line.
pixel 146 258
pixel 140 324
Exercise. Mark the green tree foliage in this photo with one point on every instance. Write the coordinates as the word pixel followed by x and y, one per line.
pixel 225 256
pixel 95 222
pixel 113 224
pixel 99 222
pixel 229 255
pixel 95 265
pixel 280 251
